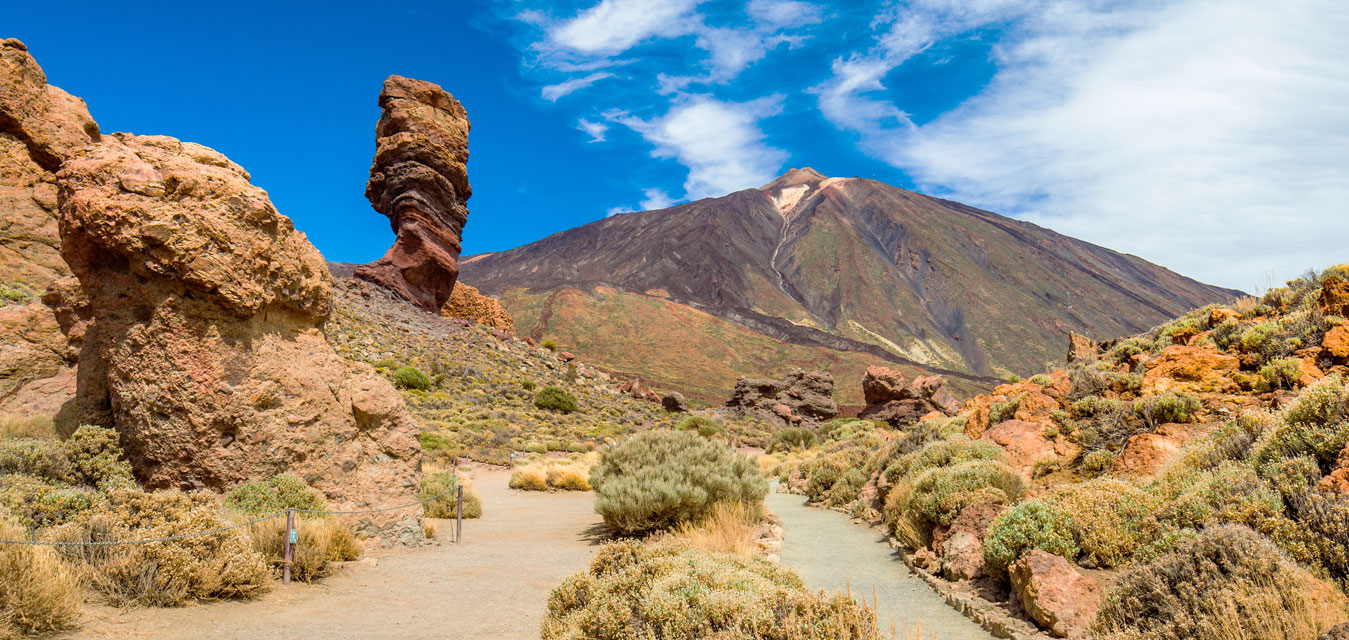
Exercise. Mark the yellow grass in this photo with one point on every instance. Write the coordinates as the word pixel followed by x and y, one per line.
pixel 537 473
pixel 730 528
pixel 31 427
pixel 38 591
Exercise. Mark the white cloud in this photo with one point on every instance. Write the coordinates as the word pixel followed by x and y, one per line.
pixel 783 12
pixel 1208 136
pixel 554 91
pixel 656 199
pixel 719 142
pixel 595 130
pixel 613 26
pixel 617 211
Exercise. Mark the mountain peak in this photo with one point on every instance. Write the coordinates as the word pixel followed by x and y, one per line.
pixel 794 177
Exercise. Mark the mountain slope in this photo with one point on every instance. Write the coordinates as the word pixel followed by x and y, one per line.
pixel 849 266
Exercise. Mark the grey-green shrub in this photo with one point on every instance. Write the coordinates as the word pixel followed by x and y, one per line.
pixel 1029 525
pixel 705 427
pixel 940 493
pixel 280 492
pixel 556 399
pixel 792 438
pixel 411 378
pixel 657 479
pixel 440 490
pixel 97 459
pixel 847 488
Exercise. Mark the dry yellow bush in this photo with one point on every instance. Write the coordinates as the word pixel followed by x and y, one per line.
pixel 319 543
pixel 729 528
pixel 38 592
pixel 218 565
pixel 529 479
pixel 536 473
pixel 568 478
pixel 38 428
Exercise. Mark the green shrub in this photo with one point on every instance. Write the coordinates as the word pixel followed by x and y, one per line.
pixel 1229 582
pixel 942 453
pixel 940 493
pixel 281 492
pixel 847 488
pixel 674 591
pixel 97 458
pixel 37 503
pixel 706 427
pixel 791 439
pixel 1324 402
pixel 1005 410
pixel 556 399
pixel 1281 373
pixel 1167 407
pixel 411 378
pixel 658 479
pixel 549 345
pixel 821 476
pixel 1029 525
pixel 536 447
pixel 1108 518
pixel 528 385
pixel 1315 424
pixel 387 363
pixel 433 441
pixel 1098 462
pixel 45 459
pixel 439 489
pixel 844 428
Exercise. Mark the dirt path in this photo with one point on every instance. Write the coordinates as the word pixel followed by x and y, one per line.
pixel 494 585
pixel 832 553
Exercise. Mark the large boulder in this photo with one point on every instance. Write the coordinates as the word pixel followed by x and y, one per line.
pixel 1054 594
pixel 961 545
pixel 803 394
pixel 467 303
pixel 899 402
pixel 1082 349
pixel 420 181
pixel 204 349
pixel 1192 370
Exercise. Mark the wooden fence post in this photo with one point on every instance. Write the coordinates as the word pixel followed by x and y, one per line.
pixel 290 545
pixel 459 517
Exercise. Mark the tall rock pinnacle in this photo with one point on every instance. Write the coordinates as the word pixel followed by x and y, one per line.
pixel 420 182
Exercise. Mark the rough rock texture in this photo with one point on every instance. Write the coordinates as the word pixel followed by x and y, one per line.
pixel 674 402
pixel 1054 594
pixel 205 349
pixel 1191 370
pixel 1026 444
pixel 900 403
pixel 1081 348
pixel 1338 632
pixel 466 303
pixel 419 180
pixel 962 544
pixel 1147 453
pixel 1336 342
pixel 802 394
pixel 40 127
pixel 638 389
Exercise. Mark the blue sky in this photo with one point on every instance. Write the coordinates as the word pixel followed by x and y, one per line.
pixel 1209 136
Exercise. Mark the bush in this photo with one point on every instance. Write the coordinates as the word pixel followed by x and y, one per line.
pixel 1282 373
pixel 37 503
pixel 848 487
pixel 218 565
pixel 706 427
pixel 1005 410
pixel 1108 518
pixel 411 378
pixel 1029 525
pixel 38 458
pixel 528 385
pixel 549 345
pixel 939 494
pixel 556 399
pixel 568 478
pixel 281 492
pixel 1167 407
pixel 97 458
pixel 657 479
pixel 791 439
pixel 38 592
pixel 1098 462
pixel 319 543
pixel 444 486
pixel 822 474
pixel 530 478
pixel 674 591
pixel 942 453
pixel 1229 582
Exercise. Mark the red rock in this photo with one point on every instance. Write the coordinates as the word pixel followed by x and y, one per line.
pixel 890 397
pixel 638 389
pixel 1334 298
pixel 419 180
pixel 467 303
pixel 566 356
pixel 1026 444
pixel 1081 348
pixel 1336 342
pixel 1147 453
pixel 783 411
pixel 962 545
pixel 1192 370
pixel 1054 594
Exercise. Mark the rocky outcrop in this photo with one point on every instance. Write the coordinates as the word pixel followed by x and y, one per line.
pixel 466 303
pixel 1054 594
pixel 639 389
pixel 800 396
pixel 205 350
pixel 1026 444
pixel 40 127
pixel 419 180
pixel 674 402
pixel 1082 349
pixel 961 545
pixel 890 397
pixel 1192 370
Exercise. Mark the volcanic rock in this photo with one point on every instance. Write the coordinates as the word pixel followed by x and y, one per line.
pixel 901 403
pixel 1191 370
pixel 638 389
pixel 1026 444
pixel 1081 348
pixel 807 394
pixel 468 304
pixel 674 402
pixel 1054 594
pixel 419 180
pixel 205 350
pixel 962 544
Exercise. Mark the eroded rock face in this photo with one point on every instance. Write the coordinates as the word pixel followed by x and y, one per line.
pixel 419 180
pixel 1054 594
pixel 204 348
pixel 639 389
pixel 801 395
pixel 899 402
pixel 467 303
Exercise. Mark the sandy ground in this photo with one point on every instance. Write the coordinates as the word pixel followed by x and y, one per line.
pixel 833 553
pixel 493 585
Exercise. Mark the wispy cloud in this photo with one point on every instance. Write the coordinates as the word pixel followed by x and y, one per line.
pixel 554 91
pixel 613 26
pixel 595 130
pixel 656 199
pixel 719 142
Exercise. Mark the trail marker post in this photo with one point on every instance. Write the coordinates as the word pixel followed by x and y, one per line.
pixel 290 545
pixel 459 516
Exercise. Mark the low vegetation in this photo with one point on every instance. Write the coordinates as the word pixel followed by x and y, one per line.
pixel 441 491
pixel 535 472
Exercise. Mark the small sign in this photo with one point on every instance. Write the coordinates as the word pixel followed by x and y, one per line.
pixel 294 535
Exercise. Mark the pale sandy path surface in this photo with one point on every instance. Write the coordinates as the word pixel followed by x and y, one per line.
pixel 831 552
pixel 493 585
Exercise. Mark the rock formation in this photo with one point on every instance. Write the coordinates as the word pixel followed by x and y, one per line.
pixel 205 349
pixel 40 127
pixel 639 389
pixel 420 182
pixel 466 303
pixel 1054 594
pixel 901 403
pixel 801 395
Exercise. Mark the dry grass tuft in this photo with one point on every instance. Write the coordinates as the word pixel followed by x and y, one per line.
pixel 536 473
pixel 729 528
pixel 38 592
pixel 320 542
pixel 529 479
pixel 40 428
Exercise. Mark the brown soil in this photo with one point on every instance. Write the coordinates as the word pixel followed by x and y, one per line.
pixel 493 585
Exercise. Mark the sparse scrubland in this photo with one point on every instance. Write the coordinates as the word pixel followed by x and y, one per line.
pixel 1204 464
pixel 537 472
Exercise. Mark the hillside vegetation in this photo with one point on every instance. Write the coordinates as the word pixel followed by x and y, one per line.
pixel 1216 444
